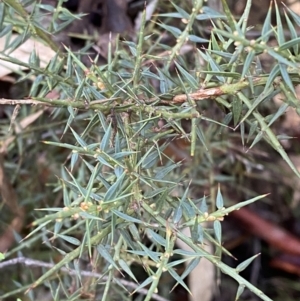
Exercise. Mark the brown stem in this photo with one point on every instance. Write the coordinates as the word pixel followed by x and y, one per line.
pixel 273 234
pixel 9 198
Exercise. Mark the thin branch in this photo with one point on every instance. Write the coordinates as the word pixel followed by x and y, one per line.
pixel 214 92
pixel 105 105
pixel 38 263
pixel 200 94
pixel 14 102
pixel 53 102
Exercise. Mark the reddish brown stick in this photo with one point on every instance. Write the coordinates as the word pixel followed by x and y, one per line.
pixel 272 233
pixel 288 263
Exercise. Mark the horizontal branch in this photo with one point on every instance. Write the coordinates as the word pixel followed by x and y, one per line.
pixel 152 105
pixel 211 93
pixel 100 104
pixel 103 105
pixel 14 102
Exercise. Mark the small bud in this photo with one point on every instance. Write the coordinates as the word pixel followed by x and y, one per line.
pixel 75 216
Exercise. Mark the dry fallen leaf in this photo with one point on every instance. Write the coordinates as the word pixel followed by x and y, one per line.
pixel 294 6
pixel 23 53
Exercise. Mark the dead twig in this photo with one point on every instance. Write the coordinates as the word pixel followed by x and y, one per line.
pixel 268 231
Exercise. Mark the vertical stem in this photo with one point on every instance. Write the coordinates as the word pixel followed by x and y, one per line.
pixel 139 57
pixel 184 35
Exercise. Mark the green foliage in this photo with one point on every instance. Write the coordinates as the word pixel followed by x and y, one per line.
pixel 113 123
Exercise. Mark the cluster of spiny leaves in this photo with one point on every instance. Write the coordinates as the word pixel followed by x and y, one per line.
pixel 117 183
